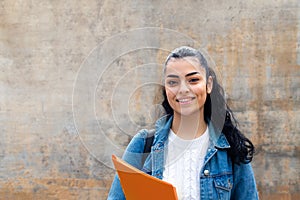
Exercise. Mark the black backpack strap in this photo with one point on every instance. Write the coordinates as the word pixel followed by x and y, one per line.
pixel 148 144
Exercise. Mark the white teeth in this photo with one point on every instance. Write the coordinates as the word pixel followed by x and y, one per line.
pixel 184 100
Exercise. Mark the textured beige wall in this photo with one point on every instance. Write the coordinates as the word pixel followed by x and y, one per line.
pixel 77 81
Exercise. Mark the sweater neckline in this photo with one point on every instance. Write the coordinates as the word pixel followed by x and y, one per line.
pixel 193 143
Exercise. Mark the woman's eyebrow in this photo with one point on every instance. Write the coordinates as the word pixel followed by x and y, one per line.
pixel 176 76
pixel 192 73
pixel 173 76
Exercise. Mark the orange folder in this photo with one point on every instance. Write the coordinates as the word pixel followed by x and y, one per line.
pixel 138 185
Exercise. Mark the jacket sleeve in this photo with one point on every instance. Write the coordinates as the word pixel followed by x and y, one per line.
pixel 244 187
pixel 133 155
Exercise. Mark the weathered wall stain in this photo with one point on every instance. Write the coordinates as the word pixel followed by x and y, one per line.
pixel 53 188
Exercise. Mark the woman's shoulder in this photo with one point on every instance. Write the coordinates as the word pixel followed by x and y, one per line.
pixel 142 133
pixel 137 142
pixel 135 149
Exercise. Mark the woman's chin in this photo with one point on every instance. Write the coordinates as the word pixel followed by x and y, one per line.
pixel 188 112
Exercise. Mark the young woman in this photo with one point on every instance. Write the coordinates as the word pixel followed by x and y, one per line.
pixel 197 146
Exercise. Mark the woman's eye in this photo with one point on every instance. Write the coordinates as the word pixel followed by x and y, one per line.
pixel 172 83
pixel 194 80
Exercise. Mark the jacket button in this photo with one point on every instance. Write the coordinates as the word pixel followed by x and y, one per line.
pixel 206 172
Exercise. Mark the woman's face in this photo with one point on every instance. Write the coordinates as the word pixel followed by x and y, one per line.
pixel 186 86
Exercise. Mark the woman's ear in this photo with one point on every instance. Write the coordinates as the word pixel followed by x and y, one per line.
pixel 209 84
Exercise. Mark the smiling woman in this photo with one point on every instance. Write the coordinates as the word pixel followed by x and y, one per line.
pixel 196 146
pixel 186 88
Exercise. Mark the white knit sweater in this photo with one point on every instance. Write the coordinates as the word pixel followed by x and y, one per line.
pixel 184 160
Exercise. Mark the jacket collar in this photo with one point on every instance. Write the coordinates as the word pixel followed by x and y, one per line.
pixel 163 126
pixel 217 137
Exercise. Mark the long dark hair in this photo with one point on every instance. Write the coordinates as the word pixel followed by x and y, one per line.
pixel 216 110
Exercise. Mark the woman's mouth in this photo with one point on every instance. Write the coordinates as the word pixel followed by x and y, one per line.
pixel 186 100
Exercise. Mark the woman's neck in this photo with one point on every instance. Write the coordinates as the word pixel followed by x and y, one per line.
pixel 189 127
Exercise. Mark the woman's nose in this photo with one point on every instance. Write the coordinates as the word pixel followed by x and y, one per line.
pixel 184 88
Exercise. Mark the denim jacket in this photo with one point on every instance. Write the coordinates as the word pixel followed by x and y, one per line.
pixel 219 177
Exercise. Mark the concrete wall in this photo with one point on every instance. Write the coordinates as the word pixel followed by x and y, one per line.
pixel 77 80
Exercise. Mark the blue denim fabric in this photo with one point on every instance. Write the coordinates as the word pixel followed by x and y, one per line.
pixel 219 179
